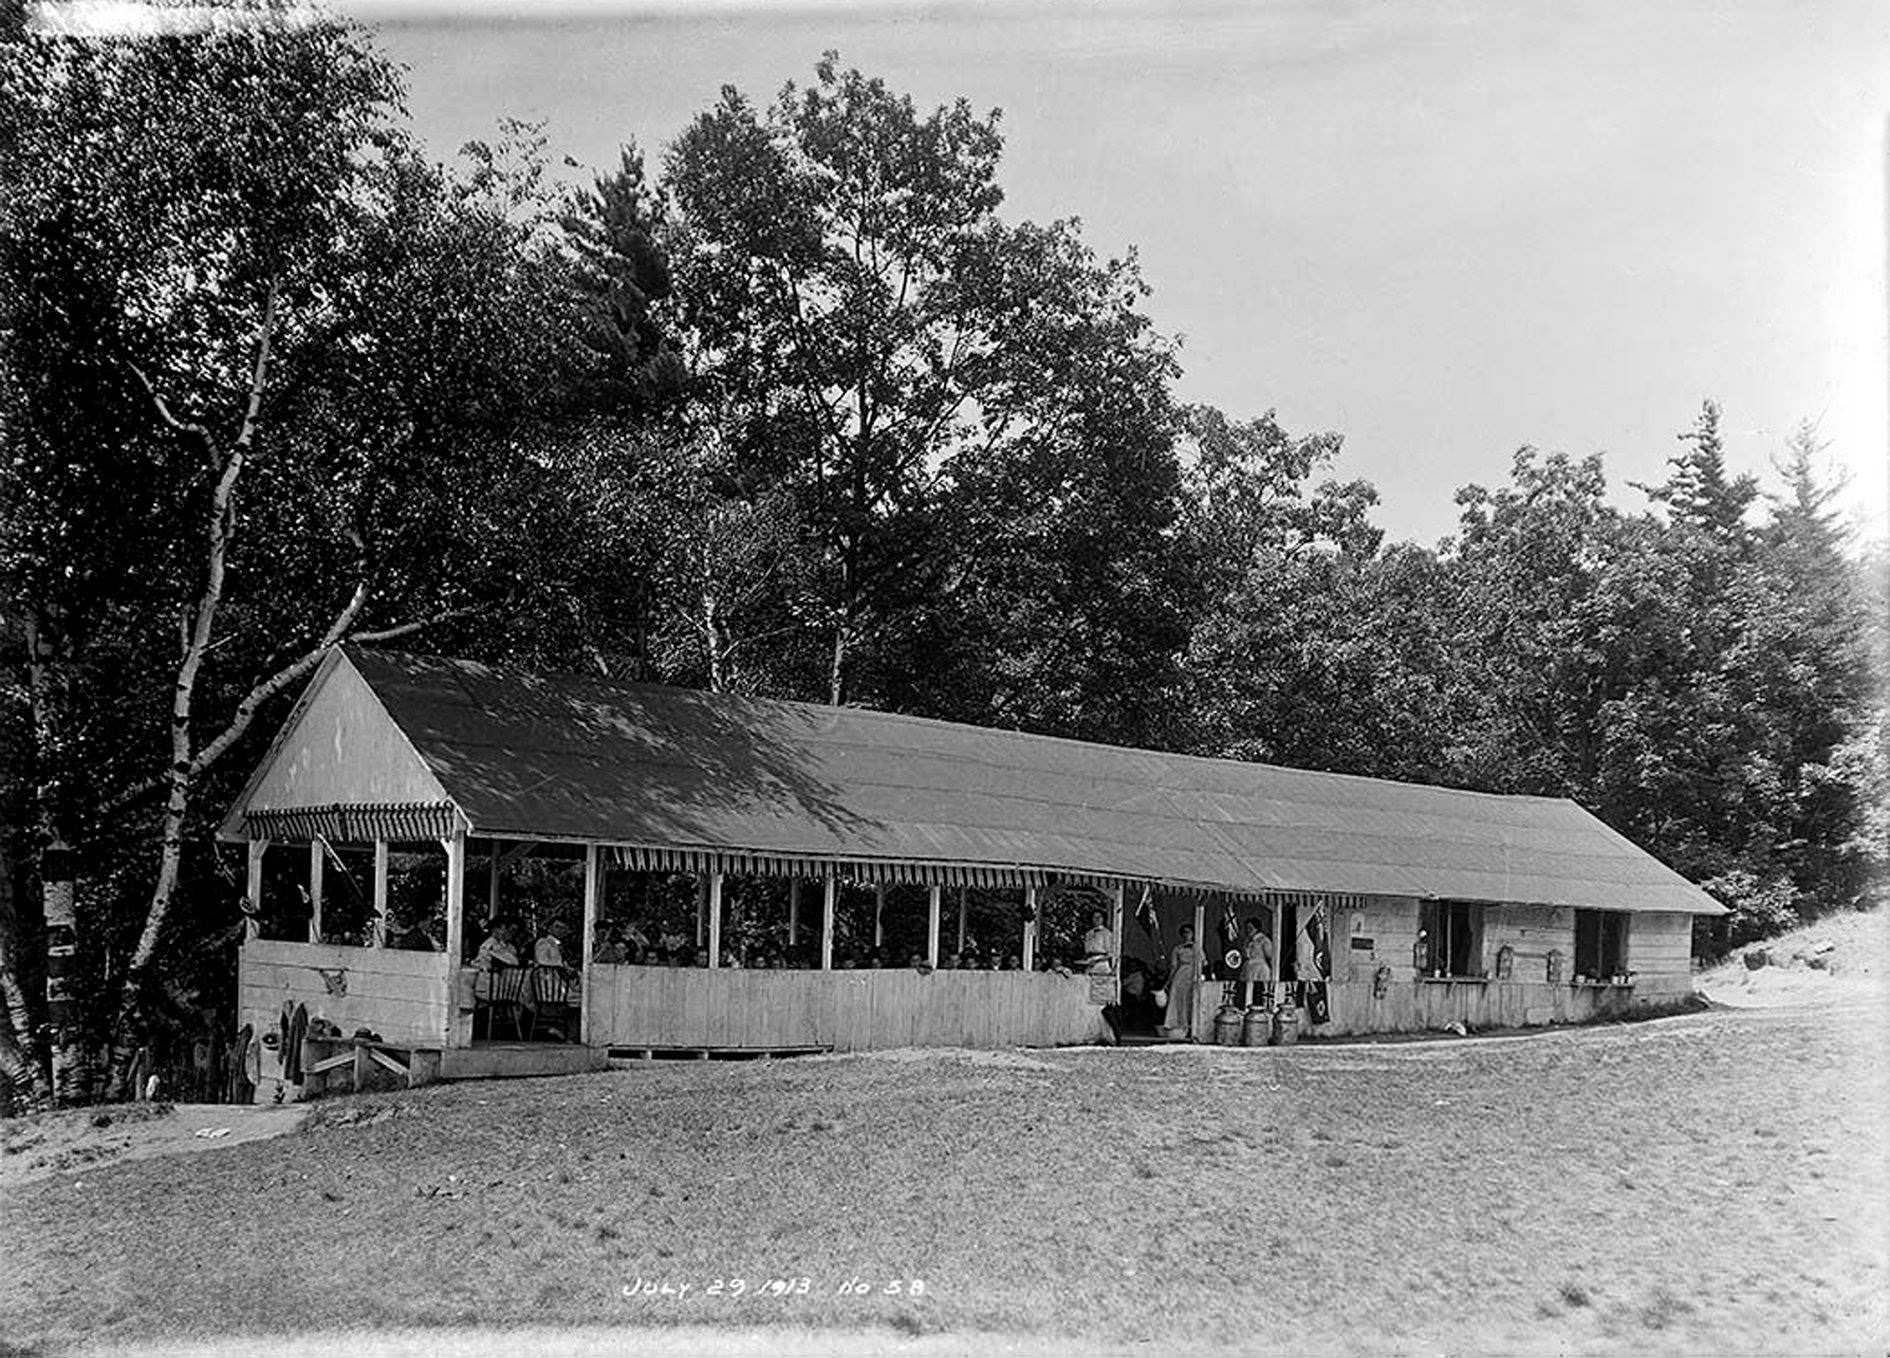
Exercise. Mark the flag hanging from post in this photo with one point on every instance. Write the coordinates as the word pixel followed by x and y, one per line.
pixel 1145 913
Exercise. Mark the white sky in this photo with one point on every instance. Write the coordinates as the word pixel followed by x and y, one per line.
pixel 1445 230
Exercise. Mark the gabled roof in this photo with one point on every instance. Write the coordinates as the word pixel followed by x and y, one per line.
pixel 573 757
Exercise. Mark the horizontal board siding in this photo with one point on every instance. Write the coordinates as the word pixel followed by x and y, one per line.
pixel 1390 923
pixel 848 1010
pixel 1660 947
pixel 1424 1006
pixel 370 961
pixel 401 995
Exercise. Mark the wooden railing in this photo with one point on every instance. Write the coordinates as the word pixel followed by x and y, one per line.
pixel 654 1007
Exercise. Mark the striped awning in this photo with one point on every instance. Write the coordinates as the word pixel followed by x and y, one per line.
pixel 874 871
pixel 359 823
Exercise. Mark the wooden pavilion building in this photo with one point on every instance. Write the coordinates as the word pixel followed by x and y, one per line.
pixel 409 800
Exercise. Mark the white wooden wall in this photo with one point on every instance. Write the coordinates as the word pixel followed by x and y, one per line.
pixel 401 995
pixel 847 1010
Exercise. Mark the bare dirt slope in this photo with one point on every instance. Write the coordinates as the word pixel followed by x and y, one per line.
pixel 1844 958
pixel 74 1140
pixel 1710 1183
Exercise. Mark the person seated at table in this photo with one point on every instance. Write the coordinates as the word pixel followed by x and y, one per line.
pixel 499 949
pixel 1137 1007
pixel 612 951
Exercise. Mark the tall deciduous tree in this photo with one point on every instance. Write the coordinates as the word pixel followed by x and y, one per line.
pixel 852 312
pixel 261 366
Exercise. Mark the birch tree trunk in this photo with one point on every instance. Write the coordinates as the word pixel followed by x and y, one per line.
pixel 19 1055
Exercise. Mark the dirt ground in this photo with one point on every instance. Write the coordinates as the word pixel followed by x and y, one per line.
pixel 72 1140
pixel 1713 1183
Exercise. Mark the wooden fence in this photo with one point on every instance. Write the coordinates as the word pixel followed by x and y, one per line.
pixel 651 1007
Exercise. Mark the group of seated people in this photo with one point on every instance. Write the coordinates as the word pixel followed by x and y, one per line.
pixel 550 992
pixel 624 943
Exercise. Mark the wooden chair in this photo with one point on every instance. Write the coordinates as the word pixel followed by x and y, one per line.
pixel 505 997
pixel 552 989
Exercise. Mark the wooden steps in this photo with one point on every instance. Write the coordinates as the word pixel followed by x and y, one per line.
pixel 619 1053
pixel 514 1060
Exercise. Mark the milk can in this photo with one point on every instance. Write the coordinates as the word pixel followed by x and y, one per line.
pixel 1227 1026
pixel 1286 1024
pixel 1257 1030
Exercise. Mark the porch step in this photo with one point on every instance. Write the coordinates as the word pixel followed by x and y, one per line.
pixel 506 1060
pixel 621 1054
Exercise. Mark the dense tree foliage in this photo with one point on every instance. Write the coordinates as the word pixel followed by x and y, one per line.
pixel 798 411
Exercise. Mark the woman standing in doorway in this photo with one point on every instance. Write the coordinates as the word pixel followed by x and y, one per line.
pixel 1184 978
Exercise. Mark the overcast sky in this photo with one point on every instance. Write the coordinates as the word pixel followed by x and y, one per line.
pixel 1444 230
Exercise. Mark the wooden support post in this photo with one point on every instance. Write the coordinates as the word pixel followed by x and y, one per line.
pixel 455 929
pixel 380 893
pixel 832 890
pixel 1200 967
pixel 593 895
pixel 492 885
pixel 931 924
pixel 1115 931
pixel 702 909
pixel 1030 928
pixel 794 913
pixel 879 916
pixel 253 889
pixel 317 861
pixel 1273 909
pixel 961 921
pixel 715 920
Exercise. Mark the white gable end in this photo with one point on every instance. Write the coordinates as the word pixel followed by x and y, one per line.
pixel 341 748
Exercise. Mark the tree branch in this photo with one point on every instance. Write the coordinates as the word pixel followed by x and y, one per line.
pixel 252 701
pixel 407 628
pixel 164 412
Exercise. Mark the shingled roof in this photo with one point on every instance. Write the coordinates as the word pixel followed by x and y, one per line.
pixel 581 758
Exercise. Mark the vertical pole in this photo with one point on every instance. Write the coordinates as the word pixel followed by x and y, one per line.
pixel 794 913
pixel 593 893
pixel 1274 909
pixel 879 914
pixel 1200 972
pixel 832 888
pixel 715 920
pixel 253 889
pixel 1030 928
pixel 1115 933
pixel 931 924
pixel 702 910
pixel 961 920
pixel 315 865
pixel 455 927
pixel 492 885
pixel 380 893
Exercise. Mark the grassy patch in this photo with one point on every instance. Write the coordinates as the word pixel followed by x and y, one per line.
pixel 1349 1199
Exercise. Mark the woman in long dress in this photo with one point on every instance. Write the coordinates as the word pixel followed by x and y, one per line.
pixel 1184 978
pixel 1256 962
